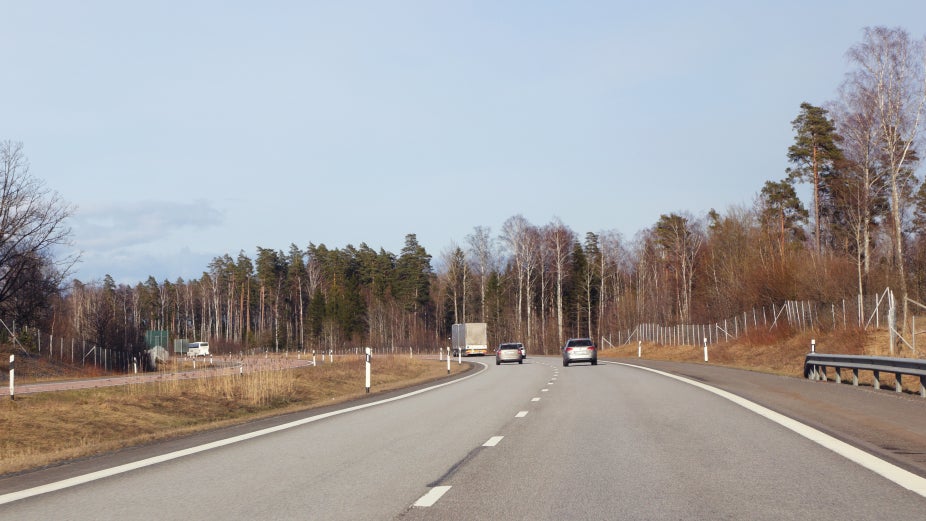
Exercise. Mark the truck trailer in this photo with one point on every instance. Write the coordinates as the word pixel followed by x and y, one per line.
pixel 469 339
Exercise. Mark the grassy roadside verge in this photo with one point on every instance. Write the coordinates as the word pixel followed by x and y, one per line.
pixel 778 355
pixel 45 428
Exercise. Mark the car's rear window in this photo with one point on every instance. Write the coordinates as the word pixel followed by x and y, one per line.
pixel 508 346
pixel 580 342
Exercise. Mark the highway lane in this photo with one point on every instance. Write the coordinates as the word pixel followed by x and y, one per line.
pixel 368 464
pixel 612 442
pixel 605 442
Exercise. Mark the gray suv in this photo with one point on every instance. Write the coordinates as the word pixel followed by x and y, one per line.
pixel 580 350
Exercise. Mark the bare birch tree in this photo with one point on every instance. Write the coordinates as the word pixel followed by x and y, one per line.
pixel 482 251
pixel 891 69
pixel 861 191
pixel 560 239
pixel 514 234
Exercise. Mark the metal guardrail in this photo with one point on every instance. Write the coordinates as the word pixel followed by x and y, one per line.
pixel 815 365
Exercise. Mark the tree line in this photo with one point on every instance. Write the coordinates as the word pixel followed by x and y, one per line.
pixel 542 283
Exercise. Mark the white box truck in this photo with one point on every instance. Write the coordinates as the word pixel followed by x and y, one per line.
pixel 469 339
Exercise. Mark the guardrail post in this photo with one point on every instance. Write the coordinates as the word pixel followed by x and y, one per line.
pixel 823 373
pixel 898 385
pixel 923 386
pixel 855 377
pixel 838 377
pixel 877 382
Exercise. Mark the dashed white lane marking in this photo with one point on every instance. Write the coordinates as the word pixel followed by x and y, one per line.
pixel 432 496
pixel 544 390
pixel 905 479
pixel 535 399
pixel 521 414
pixel 493 441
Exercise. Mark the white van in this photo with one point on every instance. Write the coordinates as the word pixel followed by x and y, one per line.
pixel 197 349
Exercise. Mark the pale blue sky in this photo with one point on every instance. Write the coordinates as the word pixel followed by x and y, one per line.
pixel 186 130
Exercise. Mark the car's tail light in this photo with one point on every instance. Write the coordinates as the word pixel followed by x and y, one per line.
pixel 568 349
pixel 591 348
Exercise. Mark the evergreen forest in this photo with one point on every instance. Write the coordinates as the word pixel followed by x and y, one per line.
pixel 861 229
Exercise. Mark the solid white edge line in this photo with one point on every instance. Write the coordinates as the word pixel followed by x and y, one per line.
pixel 493 441
pixel 105 473
pixel 904 478
pixel 521 414
pixel 432 496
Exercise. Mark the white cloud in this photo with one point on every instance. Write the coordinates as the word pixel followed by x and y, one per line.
pixel 134 240
pixel 106 227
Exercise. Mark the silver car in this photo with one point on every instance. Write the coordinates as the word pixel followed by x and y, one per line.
pixel 510 352
pixel 580 350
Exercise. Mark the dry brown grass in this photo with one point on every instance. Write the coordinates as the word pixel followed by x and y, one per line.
pixel 779 354
pixel 41 429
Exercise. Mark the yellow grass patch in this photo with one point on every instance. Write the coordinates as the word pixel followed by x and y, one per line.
pixel 41 429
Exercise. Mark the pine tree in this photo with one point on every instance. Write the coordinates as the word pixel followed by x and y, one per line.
pixel 781 210
pixel 814 153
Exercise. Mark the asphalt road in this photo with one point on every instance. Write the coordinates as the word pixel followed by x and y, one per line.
pixel 531 441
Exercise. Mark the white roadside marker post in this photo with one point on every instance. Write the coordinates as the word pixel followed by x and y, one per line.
pixel 639 348
pixel 448 360
pixel 368 352
pixel 12 378
pixel 705 349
